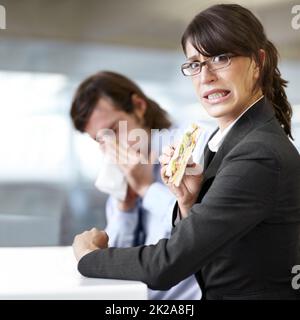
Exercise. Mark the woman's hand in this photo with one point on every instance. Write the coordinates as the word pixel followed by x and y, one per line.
pixel 190 186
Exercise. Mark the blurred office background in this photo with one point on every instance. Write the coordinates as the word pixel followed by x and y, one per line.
pixel 47 170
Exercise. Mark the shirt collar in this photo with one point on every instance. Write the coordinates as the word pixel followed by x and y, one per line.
pixel 216 141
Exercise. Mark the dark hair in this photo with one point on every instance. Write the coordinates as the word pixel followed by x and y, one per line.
pixel 119 89
pixel 234 29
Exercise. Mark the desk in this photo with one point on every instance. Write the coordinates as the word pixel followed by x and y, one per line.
pixel 51 273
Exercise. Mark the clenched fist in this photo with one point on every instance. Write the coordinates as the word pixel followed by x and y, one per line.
pixel 89 241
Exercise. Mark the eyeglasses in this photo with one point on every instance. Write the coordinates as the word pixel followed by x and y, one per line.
pixel 213 63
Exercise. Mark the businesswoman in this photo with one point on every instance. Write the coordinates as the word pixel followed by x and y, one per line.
pixel 101 102
pixel 237 230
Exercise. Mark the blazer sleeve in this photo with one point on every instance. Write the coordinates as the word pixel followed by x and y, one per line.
pixel 242 195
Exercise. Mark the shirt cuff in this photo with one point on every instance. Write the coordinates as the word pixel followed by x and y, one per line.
pixel 120 224
pixel 122 216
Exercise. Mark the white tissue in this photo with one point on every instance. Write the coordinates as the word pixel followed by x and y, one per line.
pixel 111 180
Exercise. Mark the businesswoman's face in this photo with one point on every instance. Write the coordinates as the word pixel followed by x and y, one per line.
pixel 225 93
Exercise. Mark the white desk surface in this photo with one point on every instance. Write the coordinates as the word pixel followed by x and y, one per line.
pixel 51 273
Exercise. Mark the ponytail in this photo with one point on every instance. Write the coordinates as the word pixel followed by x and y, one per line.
pixel 273 87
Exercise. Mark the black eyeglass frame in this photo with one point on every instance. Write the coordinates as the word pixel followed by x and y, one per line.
pixel 186 65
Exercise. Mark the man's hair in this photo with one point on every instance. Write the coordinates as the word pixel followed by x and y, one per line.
pixel 119 90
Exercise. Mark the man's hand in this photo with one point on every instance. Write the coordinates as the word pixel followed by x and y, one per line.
pixel 136 166
pixel 190 186
pixel 89 241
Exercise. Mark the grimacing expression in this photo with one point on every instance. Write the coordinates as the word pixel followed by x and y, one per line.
pixel 226 92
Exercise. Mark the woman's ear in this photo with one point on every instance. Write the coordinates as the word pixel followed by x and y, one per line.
pixel 259 65
pixel 262 56
pixel 140 106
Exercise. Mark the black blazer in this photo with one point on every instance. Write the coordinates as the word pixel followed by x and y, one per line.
pixel 241 238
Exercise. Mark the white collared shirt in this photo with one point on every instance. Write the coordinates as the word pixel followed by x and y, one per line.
pixel 215 143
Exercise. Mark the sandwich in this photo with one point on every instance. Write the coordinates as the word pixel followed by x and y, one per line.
pixel 177 165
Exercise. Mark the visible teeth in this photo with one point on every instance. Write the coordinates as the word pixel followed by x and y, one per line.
pixel 216 95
